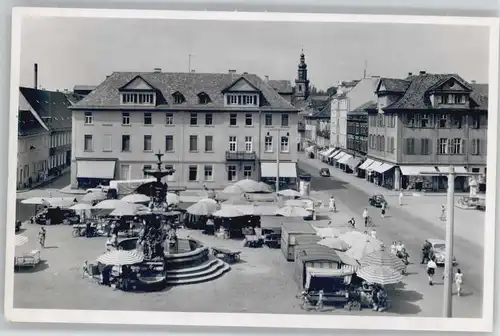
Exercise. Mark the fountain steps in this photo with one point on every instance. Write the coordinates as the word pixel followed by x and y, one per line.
pixel 210 270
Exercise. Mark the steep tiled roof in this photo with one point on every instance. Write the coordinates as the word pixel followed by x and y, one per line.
pixel 480 95
pixel 189 84
pixel 416 96
pixel 281 85
pixel 73 97
pixel 349 83
pixel 52 107
pixel 369 105
pixel 395 85
pixel 28 125
pixel 84 87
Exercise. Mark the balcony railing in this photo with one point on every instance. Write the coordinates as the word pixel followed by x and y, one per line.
pixel 240 156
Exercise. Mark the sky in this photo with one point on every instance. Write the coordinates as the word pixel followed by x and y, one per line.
pixel 82 51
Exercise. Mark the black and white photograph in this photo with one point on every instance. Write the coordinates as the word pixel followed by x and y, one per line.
pixel 321 171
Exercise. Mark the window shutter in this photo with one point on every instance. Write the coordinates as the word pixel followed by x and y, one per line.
pixel 462 147
pixel 429 146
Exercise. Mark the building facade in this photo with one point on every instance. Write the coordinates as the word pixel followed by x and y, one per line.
pixel 214 129
pixel 357 130
pixel 425 123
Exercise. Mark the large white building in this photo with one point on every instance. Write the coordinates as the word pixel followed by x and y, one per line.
pixel 214 129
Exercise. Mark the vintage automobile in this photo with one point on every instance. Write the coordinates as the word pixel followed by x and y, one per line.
pixel 18 226
pixel 438 248
pixel 377 201
pixel 324 172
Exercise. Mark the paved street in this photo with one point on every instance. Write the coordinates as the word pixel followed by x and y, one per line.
pixel 402 225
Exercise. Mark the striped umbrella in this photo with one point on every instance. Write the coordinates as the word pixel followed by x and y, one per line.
pixel 21 240
pixel 382 275
pixel 121 257
pixel 382 258
pixel 334 243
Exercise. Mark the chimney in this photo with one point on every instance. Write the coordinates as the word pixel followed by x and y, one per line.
pixel 193 70
pixel 245 73
pixel 108 76
pixel 473 81
pixel 410 73
pixel 266 77
pixel 422 72
pixel 36 76
pixel 157 70
pixel 232 71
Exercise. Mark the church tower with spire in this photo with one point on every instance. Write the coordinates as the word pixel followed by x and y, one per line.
pixel 301 82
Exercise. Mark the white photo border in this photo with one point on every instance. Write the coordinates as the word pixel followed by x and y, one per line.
pixel 484 324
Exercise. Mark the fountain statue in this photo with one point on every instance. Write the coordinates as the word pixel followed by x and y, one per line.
pixel 158 191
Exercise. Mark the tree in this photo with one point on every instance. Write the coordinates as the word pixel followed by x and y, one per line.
pixel 332 90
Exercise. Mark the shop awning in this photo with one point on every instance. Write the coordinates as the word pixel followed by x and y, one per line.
pixel 383 168
pixel 95 169
pixel 328 151
pixel 366 164
pixel 417 170
pixel 334 153
pixel 287 169
pixel 344 159
pixel 339 155
pixel 310 148
pixel 446 169
pixel 353 162
pixel 374 165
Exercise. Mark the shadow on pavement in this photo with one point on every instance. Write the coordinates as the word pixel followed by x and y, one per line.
pixel 403 302
pixel 404 308
pixel 50 247
pixel 406 295
pixel 43 265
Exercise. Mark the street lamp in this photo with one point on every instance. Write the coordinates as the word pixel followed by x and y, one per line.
pixel 448 267
pixel 278 144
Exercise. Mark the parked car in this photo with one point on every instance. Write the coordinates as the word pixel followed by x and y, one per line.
pixel 18 226
pixel 438 248
pixel 325 172
pixel 377 201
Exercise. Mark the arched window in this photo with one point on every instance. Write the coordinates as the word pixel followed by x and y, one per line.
pixel 203 98
pixel 178 98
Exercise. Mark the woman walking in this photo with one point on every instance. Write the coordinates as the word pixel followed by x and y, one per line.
pixel 431 270
pixel 383 210
pixel 458 281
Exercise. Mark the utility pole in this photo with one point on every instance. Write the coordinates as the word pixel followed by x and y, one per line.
pixel 278 160
pixel 189 62
pixel 450 223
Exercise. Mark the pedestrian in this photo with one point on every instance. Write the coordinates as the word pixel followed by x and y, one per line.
pixel 352 223
pixel 373 233
pixel 443 213
pixel 459 278
pixel 41 237
pixel 400 198
pixel 332 206
pixel 365 216
pixel 431 270
pixel 85 269
pixel 426 252
pixel 393 248
pixel 319 304
pixel 383 210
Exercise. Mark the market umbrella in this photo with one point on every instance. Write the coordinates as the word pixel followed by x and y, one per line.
pixel 94 196
pixel 203 208
pixel 237 200
pixel 334 243
pixel 233 189
pixel 81 207
pixel 252 186
pixel 62 202
pixel 327 232
pixel 34 200
pixel 382 275
pixel 209 201
pixel 293 212
pixel 173 198
pixel 136 198
pixel 289 193
pixel 298 202
pixel 121 257
pixel 355 237
pixel 21 240
pixel 228 212
pixel 382 258
pixel 111 204
pixel 124 211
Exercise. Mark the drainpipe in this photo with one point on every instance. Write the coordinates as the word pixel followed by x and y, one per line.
pixel 260 143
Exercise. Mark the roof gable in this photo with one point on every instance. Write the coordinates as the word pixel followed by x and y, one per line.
pixel 392 85
pixel 241 85
pixel 452 83
pixel 137 84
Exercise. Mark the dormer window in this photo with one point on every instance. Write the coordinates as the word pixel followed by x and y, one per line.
pixel 238 99
pixel 178 98
pixel 203 98
pixel 138 98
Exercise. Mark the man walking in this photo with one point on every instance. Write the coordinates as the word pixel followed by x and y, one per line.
pixel 426 251
pixel 400 198
pixel 41 237
pixel 443 213
pixel 458 281
pixel 383 210
pixel 431 270
pixel 332 206
pixel 365 216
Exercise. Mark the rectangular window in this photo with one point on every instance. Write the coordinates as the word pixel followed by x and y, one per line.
pixel 209 121
pixel 107 145
pixel 442 146
pixel 233 146
pixel 476 122
pixel 170 178
pixel 209 143
pixel 208 173
pixel 125 172
pixel 125 118
pixel 193 143
pixel 269 119
pixel 146 168
pixel 248 144
pixel 425 146
pixel 148 119
pixel 169 143
pixel 476 147
pixel 169 118
pixel 410 146
pixel 442 120
pixel 285 120
pixel 248 119
pixel 412 120
pixel 125 143
pixel 231 173
pixel 193 173
pixel 458 146
pixel 247 172
pixel 193 120
pixel 148 146
pixel 285 145
pixel 233 119
pixel 457 121
pixel 268 144
pixel 424 121
pixel 88 118
pixel 87 143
